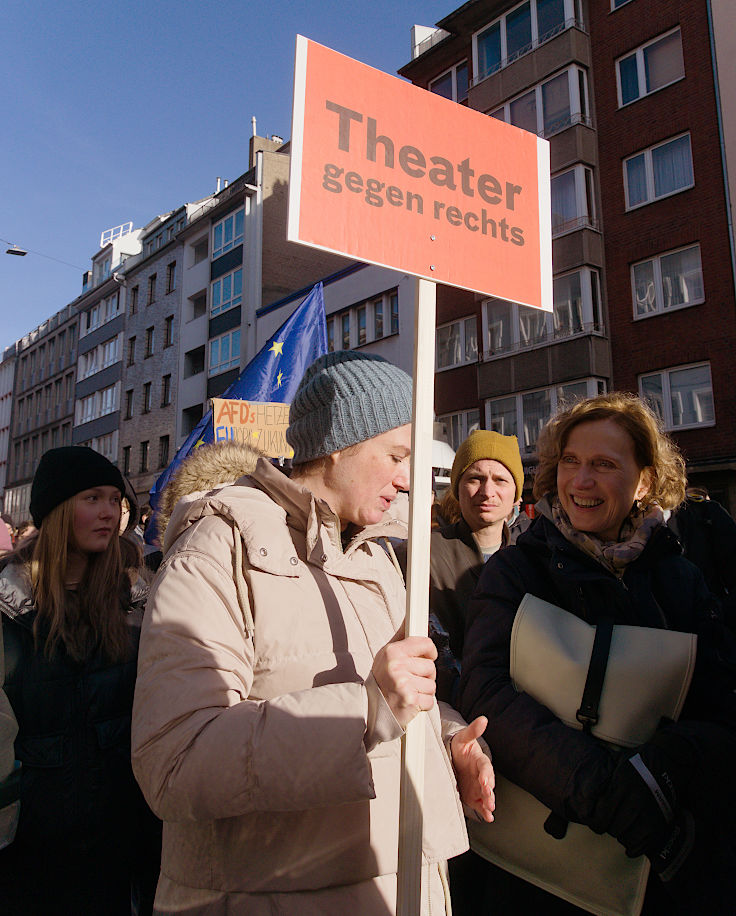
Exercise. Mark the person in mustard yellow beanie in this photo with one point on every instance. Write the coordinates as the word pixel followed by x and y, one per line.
pixel 486 481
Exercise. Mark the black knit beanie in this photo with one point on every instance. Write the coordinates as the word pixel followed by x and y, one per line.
pixel 64 472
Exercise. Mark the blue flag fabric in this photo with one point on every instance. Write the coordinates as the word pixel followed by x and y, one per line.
pixel 272 375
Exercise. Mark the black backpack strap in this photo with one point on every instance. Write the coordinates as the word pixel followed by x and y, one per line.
pixel 587 715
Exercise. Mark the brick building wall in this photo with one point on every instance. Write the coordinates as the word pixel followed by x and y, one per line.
pixel 705 331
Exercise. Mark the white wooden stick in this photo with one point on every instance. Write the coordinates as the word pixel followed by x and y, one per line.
pixel 409 890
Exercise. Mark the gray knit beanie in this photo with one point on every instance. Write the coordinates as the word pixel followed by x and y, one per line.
pixel 345 398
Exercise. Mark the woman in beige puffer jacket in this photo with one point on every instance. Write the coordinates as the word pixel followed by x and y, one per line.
pixel 272 694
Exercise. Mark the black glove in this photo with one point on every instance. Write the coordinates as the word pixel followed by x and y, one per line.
pixel 641 805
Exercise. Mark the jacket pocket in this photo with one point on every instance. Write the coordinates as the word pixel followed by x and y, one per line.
pixel 42 751
pixel 113 733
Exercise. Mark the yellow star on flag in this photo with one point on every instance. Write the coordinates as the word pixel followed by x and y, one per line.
pixel 278 379
pixel 277 348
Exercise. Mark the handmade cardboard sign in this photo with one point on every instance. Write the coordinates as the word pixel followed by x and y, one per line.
pixel 389 173
pixel 262 425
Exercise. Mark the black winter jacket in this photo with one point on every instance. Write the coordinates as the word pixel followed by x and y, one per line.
pixel 564 768
pixel 79 800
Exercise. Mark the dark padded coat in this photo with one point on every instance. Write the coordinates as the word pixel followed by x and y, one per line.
pixel 83 823
pixel 565 768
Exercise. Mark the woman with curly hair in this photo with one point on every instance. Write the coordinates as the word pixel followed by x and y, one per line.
pixel 72 600
pixel 599 549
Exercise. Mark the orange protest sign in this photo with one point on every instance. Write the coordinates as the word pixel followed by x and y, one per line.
pixel 392 174
pixel 262 425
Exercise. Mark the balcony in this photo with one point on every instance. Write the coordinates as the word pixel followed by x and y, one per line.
pixel 543 339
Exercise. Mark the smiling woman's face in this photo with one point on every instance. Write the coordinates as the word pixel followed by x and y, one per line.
pixel 96 518
pixel 598 478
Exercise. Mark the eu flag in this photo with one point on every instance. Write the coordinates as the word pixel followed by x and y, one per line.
pixel 272 375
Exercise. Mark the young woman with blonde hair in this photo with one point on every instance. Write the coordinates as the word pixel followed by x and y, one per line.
pixel 72 603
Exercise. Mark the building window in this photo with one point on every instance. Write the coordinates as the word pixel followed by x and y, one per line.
pixel 453 84
pixel 615 4
pixel 658 172
pixel 147 397
pixel 378 319
pixel 133 305
pixel 667 281
pixel 131 351
pixel 110 307
pixel 163 451
pixel 129 404
pixel 171 277
pixel 456 344
pixel 508 327
pixel 92 321
pixel 88 363
pixel 149 342
pixel 169 331
pixel 551 106
pixel 126 459
pixel 104 355
pixel 460 425
pixel 106 445
pixel 194 362
pixel 198 306
pixel 228 233
pixel 200 251
pixel 97 404
pixel 525 414
pixel 143 465
pixel 151 289
pixel 573 200
pixel 108 400
pixel 518 32
pixel 166 391
pixel 393 302
pixel 651 67
pixel 86 409
pixel 227 292
pixel 373 320
pixel 190 416
pixel 110 352
pixel 681 397
pixel 224 353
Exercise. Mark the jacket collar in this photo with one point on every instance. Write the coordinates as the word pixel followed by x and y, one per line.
pixel 461 531
pixel 316 519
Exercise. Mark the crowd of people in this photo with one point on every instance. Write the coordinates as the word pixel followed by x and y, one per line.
pixel 217 728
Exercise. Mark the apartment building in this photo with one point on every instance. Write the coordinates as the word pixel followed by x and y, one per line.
pixel 101 335
pixel 626 91
pixel 7 384
pixel 236 260
pixel 151 287
pixel 45 365
pixel 667 240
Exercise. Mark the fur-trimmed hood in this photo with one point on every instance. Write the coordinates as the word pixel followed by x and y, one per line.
pixel 207 467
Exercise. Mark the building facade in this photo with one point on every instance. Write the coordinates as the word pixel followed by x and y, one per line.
pixel 151 289
pixel 236 261
pixel 7 384
pixel 43 414
pixel 627 93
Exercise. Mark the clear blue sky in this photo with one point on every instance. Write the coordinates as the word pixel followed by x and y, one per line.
pixel 119 111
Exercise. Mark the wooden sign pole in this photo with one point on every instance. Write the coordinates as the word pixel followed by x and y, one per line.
pixel 409 890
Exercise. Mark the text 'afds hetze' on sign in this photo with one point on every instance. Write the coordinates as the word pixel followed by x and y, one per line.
pixel 354 131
